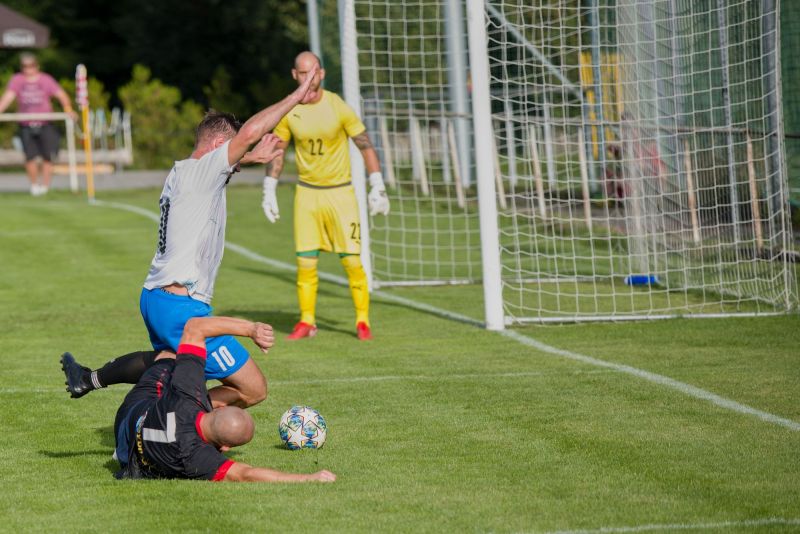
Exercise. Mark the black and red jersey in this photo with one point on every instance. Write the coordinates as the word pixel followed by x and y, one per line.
pixel 158 424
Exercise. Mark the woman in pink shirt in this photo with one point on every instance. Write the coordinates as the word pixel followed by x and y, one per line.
pixel 33 90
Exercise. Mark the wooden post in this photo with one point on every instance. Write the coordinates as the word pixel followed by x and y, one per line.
pixel 418 154
pixel 537 170
pixel 82 96
pixel 388 158
pixel 453 149
pixel 498 176
pixel 751 175
pixel 587 207
pixel 687 161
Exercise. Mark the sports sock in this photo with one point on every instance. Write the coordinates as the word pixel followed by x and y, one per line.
pixel 307 284
pixel 358 286
pixel 127 369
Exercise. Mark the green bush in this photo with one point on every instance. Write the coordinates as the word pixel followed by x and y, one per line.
pixel 221 96
pixel 162 124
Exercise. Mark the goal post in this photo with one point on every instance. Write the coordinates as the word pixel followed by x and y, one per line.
pixel 487 206
pixel 633 150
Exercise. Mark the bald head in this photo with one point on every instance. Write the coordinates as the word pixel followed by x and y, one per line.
pixel 229 426
pixel 306 60
pixel 304 63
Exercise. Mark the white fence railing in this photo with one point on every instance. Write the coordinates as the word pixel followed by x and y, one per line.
pixel 111 140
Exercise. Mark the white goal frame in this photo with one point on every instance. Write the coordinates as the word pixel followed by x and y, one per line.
pixel 766 285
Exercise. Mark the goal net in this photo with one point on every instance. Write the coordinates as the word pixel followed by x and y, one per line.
pixel 637 146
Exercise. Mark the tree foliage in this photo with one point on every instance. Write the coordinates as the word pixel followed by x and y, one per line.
pixel 165 61
pixel 162 122
pixel 186 44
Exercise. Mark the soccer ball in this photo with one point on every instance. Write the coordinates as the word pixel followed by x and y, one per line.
pixel 302 427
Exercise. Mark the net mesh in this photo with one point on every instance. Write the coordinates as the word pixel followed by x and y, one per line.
pixel 638 154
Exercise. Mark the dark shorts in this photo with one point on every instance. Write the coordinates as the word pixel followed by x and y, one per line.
pixel 40 141
pixel 139 399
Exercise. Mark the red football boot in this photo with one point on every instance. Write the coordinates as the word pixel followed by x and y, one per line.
pixel 363 331
pixel 302 330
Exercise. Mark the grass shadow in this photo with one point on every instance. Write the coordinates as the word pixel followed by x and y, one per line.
pixel 283 322
pixel 106 435
pixel 74 454
pixel 291 279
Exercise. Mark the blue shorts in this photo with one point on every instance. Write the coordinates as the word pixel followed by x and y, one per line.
pixel 166 314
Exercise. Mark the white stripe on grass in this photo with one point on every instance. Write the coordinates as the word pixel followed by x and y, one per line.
pixel 662 380
pixel 750 523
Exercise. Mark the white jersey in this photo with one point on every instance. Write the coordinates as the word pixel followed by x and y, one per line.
pixel 191 234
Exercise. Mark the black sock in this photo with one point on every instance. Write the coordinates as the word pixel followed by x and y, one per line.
pixel 125 369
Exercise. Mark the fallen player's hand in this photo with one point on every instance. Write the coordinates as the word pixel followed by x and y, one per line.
pixel 263 336
pixel 270 201
pixel 377 199
pixel 323 476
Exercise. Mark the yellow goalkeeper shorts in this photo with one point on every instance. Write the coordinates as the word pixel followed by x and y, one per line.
pixel 326 219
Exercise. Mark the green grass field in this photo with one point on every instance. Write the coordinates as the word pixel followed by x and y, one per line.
pixel 436 425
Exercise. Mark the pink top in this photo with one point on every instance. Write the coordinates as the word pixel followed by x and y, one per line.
pixel 33 96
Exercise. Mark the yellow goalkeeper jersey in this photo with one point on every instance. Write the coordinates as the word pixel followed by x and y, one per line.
pixel 321 133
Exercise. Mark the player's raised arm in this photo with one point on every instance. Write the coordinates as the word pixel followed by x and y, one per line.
pixel 265 120
pixel 239 472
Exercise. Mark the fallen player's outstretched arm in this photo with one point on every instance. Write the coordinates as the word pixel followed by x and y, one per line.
pixel 198 329
pixel 244 473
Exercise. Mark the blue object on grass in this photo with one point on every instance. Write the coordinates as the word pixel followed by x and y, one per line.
pixel 641 279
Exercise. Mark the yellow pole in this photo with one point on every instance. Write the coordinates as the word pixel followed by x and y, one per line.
pixel 87 149
pixel 82 90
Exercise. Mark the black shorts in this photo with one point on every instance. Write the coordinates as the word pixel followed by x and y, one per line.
pixel 40 141
pixel 143 394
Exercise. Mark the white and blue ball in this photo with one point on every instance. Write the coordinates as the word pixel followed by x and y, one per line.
pixel 302 427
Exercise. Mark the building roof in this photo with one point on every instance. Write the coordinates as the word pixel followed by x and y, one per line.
pixel 19 31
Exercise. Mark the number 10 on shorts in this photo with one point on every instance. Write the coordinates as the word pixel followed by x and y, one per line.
pixel 223 357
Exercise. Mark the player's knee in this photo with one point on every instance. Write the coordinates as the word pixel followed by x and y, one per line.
pixel 307 262
pixel 253 398
pixel 354 269
pixel 255 392
pixel 351 261
pixel 192 330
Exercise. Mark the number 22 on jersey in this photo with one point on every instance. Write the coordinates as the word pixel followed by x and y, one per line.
pixel 315 147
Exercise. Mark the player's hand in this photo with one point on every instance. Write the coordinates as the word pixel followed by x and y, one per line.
pixel 377 199
pixel 263 336
pixel 270 201
pixel 323 476
pixel 304 92
pixel 265 150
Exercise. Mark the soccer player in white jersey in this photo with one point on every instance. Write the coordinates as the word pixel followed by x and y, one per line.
pixel 191 238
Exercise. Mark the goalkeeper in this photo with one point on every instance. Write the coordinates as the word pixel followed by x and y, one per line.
pixel 325 209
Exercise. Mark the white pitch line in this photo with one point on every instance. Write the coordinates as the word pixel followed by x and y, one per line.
pixel 754 523
pixel 662 380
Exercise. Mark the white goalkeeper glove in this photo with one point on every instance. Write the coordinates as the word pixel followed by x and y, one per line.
pixel 377 199
pixel 270 202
